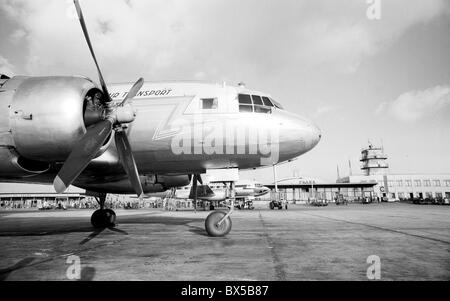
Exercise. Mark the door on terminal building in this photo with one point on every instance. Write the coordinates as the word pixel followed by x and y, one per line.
pixel 411 195
pixel 420 195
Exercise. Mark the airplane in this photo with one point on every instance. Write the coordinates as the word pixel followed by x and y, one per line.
pixel 140 138
pixel 215 192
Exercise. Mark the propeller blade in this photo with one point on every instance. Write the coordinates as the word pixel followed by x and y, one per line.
pixel 127 159
pixel 133 91
pixel 88 41
pixel 82 154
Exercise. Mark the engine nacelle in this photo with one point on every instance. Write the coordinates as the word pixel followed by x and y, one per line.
pixel 173 181
pixel 47 115
pixel 150 183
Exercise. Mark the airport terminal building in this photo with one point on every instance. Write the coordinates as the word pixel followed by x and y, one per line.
pixel 302 190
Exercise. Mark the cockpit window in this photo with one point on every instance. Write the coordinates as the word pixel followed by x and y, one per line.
pixel 244 99
pixel 245 108
pixel 267 101
pixel 256 103
pixel 257 100
pixel 276 104
pixel 260 109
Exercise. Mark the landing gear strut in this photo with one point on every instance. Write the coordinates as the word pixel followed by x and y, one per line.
pixel 103 218
pixel 218 223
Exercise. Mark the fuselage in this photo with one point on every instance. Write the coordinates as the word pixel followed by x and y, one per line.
pixel 180 128
pixel 190 126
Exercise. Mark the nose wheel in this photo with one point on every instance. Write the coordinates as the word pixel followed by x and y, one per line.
pixel 218 223
pixel 103 218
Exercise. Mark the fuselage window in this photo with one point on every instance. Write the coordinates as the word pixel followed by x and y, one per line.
pixel 209 103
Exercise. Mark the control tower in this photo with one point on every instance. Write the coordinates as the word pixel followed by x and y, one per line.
pixel 374 161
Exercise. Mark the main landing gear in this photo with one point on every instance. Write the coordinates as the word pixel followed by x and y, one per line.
pixel 218 223
pixel 103 218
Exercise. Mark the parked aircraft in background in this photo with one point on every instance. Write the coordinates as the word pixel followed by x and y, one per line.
pixel 215 192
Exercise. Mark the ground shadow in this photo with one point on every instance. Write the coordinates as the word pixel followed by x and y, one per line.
pixel 197 230
pixel 56 226
pixel 87 274
pixel 44 231
pixel 92 235
pixel 97 231
pixel 4 273
pixel 164 220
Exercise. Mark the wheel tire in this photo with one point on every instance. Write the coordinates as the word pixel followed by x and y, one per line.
pixel 211 224
pixel 103 218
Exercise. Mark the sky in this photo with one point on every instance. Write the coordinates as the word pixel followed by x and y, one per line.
pixel 384 80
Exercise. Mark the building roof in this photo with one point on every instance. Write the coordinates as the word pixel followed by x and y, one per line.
pixel 300 182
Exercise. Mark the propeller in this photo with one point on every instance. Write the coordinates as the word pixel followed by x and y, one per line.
pixel 116 118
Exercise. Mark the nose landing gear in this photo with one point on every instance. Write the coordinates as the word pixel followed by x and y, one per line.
pixel 213 225
pixel 218 223
pixel 103 218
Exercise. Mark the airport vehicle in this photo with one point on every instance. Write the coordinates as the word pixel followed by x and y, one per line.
pixel 277 204
pixel 139 138
pixel 246 204
pixel 340 200
pixel 318 202
pixel 431 201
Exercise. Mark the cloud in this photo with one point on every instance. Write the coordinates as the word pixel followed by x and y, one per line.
pixel 5 67
pixel 415 105
pixel 325 109
pixel 177 38
pixel 17 35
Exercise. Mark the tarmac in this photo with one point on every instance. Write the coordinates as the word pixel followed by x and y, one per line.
pixel 412 242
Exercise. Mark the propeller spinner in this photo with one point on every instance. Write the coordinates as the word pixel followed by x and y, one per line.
pixel 96 135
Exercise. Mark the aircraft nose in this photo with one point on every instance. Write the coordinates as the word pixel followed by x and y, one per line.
pixel 315 135
pixel 298 136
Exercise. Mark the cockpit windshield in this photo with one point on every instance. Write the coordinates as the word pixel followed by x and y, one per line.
pixel 277 104
pixel 257 104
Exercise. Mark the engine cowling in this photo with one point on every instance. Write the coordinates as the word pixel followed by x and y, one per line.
pixel 48 114
pixel 169 181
